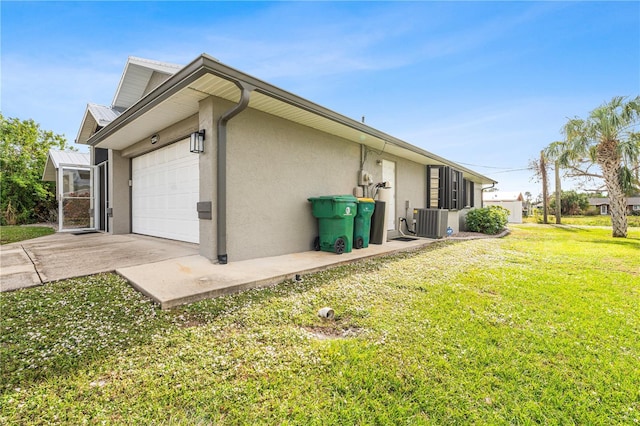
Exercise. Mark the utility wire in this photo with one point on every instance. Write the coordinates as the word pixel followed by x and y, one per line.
pixel 511 170
pixel 485 167
pixel 501 169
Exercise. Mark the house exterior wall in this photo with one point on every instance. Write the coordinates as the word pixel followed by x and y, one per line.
pixel 411 184
pixel 477 195
pixel 273 167
pixel 209 111
pixel 119 193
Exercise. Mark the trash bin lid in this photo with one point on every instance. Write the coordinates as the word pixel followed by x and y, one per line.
pixel 366 200
pixel 343 198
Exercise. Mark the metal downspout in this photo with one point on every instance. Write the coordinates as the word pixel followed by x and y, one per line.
pixel 493 185
pixel 221 193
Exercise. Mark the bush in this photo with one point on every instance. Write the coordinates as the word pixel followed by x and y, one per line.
pixel 488 220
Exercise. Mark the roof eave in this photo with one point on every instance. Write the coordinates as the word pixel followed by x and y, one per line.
pixel 205 64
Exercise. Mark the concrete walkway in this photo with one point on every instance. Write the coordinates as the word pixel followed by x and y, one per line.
pixel 188 279
pixel 169 272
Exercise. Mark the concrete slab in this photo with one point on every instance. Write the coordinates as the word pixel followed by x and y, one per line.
pixel 187 279
pixel 17 270
pixel 65 255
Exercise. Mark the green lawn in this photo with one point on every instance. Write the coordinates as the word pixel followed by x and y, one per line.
pixel 599 220
pixel 13 234
pixel 542 326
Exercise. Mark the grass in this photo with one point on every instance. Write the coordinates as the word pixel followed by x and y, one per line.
pixel 540 327
pixel 13 234
pixel 599 220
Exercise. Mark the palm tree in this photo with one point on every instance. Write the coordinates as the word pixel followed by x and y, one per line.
pixel 553 152
pixel 609 137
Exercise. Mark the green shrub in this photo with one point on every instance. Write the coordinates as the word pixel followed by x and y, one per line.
pixel 488 220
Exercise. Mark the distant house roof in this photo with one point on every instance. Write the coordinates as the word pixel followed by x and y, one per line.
pixel 503 196
pixel 56 158
pixel 631 201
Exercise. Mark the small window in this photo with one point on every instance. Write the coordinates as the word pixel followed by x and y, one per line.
pixel 444 188
pixel 468 194
pixel 434 188
pixel 636 208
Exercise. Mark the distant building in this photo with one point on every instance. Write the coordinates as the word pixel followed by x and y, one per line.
pixel 511 201
pixel 633 204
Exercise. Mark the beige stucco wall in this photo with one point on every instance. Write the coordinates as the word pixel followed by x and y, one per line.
pixel 207 118
pixel 119 198
pixel 273 167
pixel 411 184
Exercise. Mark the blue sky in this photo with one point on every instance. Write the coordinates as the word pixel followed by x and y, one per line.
pixel 487 84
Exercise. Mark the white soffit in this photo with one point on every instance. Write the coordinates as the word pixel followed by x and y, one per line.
pixel 185 103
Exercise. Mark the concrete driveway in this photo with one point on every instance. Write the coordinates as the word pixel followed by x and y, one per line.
pixel 65 255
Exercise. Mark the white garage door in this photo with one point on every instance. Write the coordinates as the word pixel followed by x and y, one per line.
pixel 165 190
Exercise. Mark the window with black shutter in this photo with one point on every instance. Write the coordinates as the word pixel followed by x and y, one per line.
pixel 444 188
pixel 467 196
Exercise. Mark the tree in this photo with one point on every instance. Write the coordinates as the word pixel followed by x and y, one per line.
pixel 572 203
pixel 539 168
pixel 528 196
pixel 609 139
pixel 558 198
pixel 24 197
pixel 545 194
pixel 552 152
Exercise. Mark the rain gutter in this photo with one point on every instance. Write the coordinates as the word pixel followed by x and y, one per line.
pixel 493 185
pixel 221 181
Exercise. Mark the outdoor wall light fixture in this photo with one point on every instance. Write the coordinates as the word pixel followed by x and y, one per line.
pixel 196 144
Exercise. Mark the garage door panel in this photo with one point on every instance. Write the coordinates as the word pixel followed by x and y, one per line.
pixel 165 192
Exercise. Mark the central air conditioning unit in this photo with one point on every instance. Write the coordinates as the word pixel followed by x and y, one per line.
pixel 431 223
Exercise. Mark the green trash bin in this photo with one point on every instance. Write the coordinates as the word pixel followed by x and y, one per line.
pixel 362 222
pixel 335 214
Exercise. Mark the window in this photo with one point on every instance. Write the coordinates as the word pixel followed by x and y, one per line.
pixel 444 188
pixel 604 209
pixel 636 208
pixel 468 193
pixel 456 180
pixel 434 188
